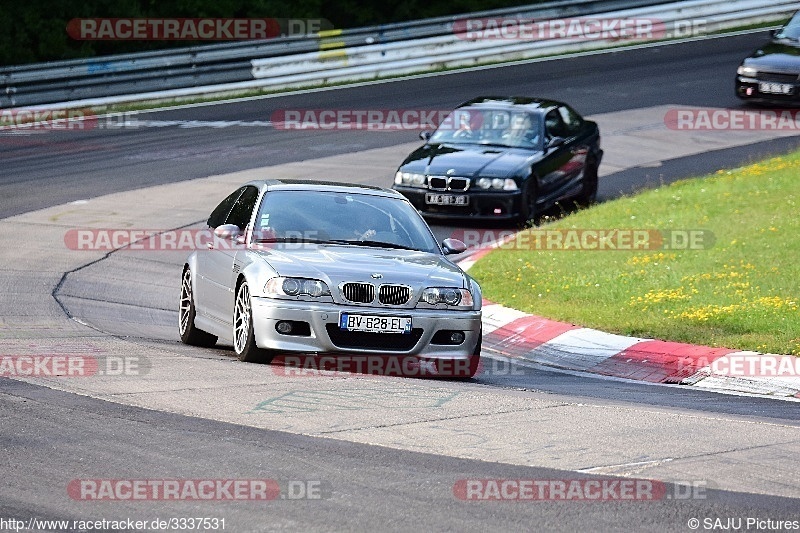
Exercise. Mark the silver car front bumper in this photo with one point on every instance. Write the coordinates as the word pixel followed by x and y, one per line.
pixel 266 312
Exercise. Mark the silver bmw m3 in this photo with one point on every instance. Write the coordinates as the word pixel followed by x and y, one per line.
pixel 328 268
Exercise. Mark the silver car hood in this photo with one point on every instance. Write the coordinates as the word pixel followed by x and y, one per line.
pixel 335 264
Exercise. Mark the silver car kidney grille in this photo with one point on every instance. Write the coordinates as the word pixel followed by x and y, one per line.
pixel 364 293
pixel 394 294
pixel 358 292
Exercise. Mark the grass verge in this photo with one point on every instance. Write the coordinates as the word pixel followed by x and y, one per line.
pixel 741 292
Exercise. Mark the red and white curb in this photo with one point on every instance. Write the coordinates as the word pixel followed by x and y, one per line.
pixel 518 335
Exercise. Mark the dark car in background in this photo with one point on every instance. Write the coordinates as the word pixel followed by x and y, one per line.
pixel 771 74
pixel 503 158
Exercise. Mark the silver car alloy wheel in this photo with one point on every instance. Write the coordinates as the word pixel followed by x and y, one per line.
pixel 241 319
pixel 186 301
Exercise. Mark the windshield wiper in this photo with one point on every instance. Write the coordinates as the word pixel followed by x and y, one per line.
pixel 290 239
pixel 380 244
pixel 499 145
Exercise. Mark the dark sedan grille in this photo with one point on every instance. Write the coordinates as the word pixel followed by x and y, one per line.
pixel 446 183
pixel 458 184
pixel 394 294
pixel 437 182
pixel 387 342
pixel 777 77
pixel 358 292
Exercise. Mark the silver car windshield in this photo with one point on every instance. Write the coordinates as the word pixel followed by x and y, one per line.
pixel 341 218
pixel 491 127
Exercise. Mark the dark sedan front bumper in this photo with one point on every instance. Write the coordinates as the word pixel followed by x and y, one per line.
pixel 749 89
pixel 484 205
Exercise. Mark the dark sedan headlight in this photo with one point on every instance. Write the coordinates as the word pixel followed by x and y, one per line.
pixel 497 184
pixel 749 72
pixel 296 287
pixel 409 179
pixel 449 296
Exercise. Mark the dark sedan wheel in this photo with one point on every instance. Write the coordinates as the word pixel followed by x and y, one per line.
pixel 527 202
pixel 589 193
pixel 244 342
pixel 186 313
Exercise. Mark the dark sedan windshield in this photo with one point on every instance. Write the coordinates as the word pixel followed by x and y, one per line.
pixel 495 127
pixel 791 30
pixel 341 218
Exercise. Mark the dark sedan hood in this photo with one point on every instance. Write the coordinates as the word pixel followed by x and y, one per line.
pixel 777 56
pixel 468 160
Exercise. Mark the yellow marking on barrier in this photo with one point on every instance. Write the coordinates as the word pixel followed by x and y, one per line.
pixel 331 44
pixel 333 54
pixel 329 33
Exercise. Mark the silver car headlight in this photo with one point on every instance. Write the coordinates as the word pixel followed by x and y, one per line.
pixel 746 71
pixel 296 287
pixel 449 296
pixel 409 178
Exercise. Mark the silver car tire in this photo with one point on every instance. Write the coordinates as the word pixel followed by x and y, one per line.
pixel 244 341
pixel 475 358
pixel 186 313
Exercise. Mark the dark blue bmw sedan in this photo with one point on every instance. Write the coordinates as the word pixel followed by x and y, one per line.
pixel 503 158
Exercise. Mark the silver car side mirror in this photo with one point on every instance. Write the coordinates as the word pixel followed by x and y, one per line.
pixel 453 246
pixel 228 231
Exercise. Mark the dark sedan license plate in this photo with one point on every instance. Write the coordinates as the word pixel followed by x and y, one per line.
pixel 375 323
pixel 446 199
pixel 776 88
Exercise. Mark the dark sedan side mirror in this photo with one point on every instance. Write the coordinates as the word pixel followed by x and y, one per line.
pixel 228 231
pixel 425 135
pixel 555 142
pixel 453 246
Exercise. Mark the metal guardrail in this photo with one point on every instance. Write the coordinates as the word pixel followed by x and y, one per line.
pixel 346 55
